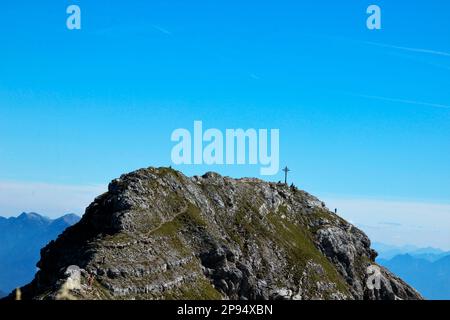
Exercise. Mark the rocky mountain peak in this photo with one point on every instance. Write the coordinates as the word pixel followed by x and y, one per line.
pixel 158 234
pixel 32 216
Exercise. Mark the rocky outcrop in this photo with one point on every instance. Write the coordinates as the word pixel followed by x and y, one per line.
pixel 157 234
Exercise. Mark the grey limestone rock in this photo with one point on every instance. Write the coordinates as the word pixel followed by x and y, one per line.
pixel 157 234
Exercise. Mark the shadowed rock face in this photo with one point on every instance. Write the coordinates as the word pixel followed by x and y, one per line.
pixel 157 234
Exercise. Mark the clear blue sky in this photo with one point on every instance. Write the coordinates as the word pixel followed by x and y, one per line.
pixel 361 113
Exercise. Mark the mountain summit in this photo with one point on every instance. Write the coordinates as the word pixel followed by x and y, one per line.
pixel 157 234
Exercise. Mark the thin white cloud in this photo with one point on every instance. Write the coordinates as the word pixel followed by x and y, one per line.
pixel 52 200
pixel 409 49
pixel 162 30
pixel 420 59
pixel 135 29
pixel 404 101
pixel 410 222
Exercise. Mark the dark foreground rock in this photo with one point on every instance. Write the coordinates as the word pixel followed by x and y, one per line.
pixel 157 234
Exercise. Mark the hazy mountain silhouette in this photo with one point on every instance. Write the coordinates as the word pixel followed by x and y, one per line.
pixel 387 252
pixel 21 239
pixel 430 277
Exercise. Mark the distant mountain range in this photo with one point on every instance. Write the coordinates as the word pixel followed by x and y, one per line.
pixel 387 252
pixel 426 269
pixel 21 239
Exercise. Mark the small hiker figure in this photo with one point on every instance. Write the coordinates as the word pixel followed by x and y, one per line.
pixel 335 210
pixel 91 279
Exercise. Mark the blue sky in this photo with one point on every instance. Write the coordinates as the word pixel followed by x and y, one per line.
pixel 362 114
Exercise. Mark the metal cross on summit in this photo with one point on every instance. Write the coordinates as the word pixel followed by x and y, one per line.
pixel 286 170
